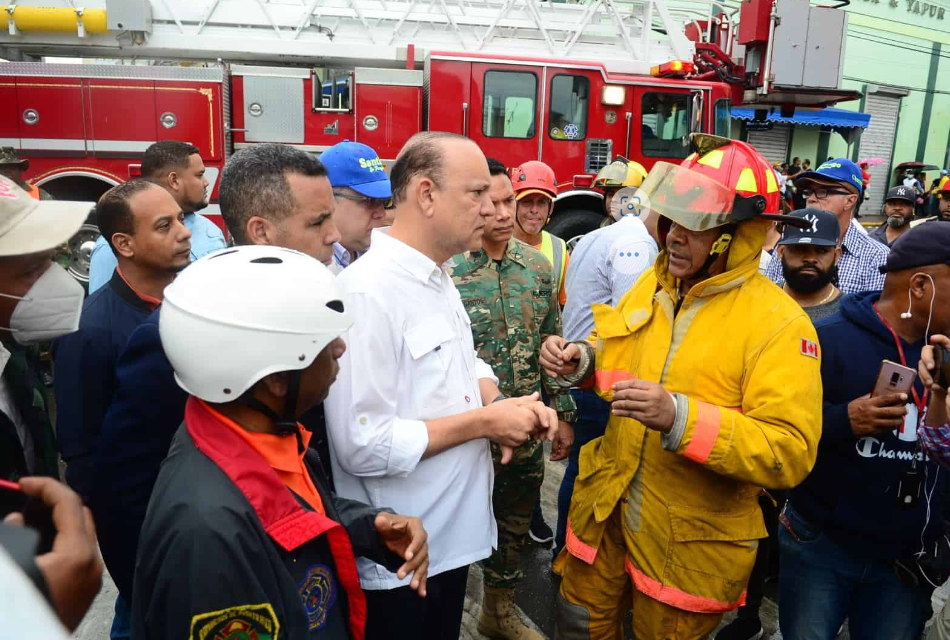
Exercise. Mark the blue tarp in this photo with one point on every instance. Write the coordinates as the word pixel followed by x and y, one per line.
pixel 830 117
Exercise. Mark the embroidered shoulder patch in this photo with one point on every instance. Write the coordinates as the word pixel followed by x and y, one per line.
pixel 809 349
pixel 246 622
pixel 318 593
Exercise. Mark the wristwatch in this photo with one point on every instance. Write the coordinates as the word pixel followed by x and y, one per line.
pixel 567 416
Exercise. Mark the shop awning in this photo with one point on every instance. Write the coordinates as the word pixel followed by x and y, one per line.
pixel 831 118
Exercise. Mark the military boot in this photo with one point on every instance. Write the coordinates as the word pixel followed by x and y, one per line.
pixel 500 618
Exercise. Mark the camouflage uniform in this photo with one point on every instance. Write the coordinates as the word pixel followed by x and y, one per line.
pixel 513 308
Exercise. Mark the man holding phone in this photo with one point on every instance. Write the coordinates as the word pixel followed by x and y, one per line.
pixel 867 505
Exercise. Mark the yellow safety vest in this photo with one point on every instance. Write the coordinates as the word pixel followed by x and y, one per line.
pixel 555 250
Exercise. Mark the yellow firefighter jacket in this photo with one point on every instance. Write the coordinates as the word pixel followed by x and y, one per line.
pixel 742 360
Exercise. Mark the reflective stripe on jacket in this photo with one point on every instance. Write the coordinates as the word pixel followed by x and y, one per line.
pixel 742 359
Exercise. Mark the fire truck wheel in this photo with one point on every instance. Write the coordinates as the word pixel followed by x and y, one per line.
pixel 79 249
pixel 571 224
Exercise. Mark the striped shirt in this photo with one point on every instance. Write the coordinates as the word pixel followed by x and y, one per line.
pixel 858 270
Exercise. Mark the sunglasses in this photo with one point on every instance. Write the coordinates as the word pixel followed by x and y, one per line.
pixel 369 203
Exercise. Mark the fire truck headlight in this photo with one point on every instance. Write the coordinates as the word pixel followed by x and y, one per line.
pixel 613 95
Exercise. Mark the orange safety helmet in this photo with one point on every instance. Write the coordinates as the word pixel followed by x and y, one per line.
pixel 533 177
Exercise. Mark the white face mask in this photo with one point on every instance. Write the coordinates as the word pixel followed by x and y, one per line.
pixel 50 309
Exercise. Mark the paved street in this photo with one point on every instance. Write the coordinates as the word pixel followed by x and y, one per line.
pixel 535 596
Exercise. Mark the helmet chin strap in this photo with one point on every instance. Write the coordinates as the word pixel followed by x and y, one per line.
pixel 719 247
pixel 286 424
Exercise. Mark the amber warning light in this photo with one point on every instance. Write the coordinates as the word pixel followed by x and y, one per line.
pixel 674 69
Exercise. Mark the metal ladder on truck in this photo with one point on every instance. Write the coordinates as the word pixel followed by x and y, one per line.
pixel 629 37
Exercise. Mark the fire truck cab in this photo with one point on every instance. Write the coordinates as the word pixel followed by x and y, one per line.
pixel 573 85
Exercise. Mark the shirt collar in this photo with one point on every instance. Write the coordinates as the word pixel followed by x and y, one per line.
pixel 412 260
pixel 280 452
pixel 851 239
pixel 151 303
pixel 342 256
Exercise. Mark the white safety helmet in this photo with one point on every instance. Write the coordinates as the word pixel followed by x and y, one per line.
pixel 240 314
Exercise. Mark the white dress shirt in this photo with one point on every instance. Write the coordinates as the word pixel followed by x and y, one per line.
pixel 410 358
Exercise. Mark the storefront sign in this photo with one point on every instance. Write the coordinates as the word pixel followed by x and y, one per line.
pixel 924 9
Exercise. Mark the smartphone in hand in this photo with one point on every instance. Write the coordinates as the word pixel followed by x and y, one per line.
pixel 36 514
pixel 894 378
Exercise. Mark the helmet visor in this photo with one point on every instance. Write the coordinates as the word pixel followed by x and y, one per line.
pixel 688 198
pixel 613 175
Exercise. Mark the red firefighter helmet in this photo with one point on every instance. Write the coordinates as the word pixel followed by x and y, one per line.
pixel 533 177
pixel 723 182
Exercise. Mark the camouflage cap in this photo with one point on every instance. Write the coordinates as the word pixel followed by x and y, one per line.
pixel 8 155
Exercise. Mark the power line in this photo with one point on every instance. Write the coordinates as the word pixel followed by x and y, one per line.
pixel 898 86
pixel 897 46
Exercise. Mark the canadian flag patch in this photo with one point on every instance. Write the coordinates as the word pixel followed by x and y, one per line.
pixel 809 349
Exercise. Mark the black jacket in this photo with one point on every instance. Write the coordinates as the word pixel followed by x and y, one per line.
pixel 227 547
pixel 28 394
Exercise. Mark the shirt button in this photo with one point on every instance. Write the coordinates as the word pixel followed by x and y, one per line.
pixel 363 420
pixel 467 399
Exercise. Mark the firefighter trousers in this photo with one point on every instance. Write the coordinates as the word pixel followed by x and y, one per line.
pixel 593 599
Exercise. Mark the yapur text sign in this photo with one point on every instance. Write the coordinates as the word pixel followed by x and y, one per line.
pixel 925 10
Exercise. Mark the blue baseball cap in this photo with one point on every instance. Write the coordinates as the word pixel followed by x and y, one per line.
pixel 357 166
pixel 837 169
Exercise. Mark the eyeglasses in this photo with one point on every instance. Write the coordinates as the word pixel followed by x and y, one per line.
pixel 369 203
pixel 821 193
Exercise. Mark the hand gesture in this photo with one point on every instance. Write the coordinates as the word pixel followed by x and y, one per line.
pixel 72 568
pixel 558 356
pixel 406 537
pixel 509 423
pixel 561 446
pixel 646 402
pixel 872 416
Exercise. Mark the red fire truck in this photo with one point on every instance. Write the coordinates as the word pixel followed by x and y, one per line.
pixel 573 85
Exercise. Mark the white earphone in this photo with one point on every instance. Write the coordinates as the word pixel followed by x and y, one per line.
pixel 933 295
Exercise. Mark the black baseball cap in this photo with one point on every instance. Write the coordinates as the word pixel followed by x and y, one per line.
pixel 823 230
pixel 921 246
pixel 901 193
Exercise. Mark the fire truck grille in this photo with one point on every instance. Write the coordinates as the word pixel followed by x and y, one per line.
pixel 598 154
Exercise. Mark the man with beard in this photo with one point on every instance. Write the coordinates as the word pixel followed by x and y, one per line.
pixel 943 207
pixel 899 209
pixel 176 166
pixel 810 263
pixel 836 186
pixel 508 274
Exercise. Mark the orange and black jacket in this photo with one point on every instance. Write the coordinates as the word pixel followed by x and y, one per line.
pixel 227 550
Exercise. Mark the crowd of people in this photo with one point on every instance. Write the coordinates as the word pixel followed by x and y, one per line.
pixel 315 431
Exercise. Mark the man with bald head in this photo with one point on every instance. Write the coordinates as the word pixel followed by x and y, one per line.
pixel 413 409
pixel 836 186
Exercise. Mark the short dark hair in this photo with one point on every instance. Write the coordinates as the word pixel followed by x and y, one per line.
pixel 254 183
pixel 166 156
pixel 496 168
pixel 113 211
pixel 421 155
